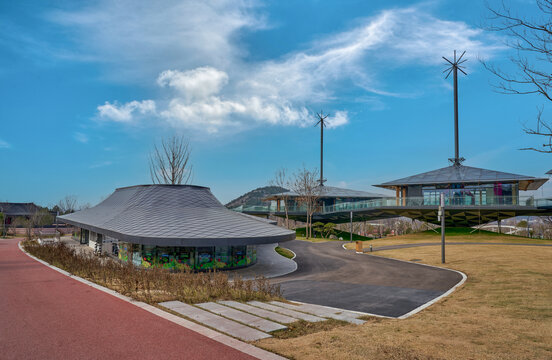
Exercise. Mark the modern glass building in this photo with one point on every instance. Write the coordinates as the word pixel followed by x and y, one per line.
pixel 463 185
pixel 173 226
pixel 473 196
pixel 329 198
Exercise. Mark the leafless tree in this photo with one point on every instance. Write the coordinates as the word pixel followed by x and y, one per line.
pixel 307 186
pixel 281 180
pixel 531 39
pixel 85 206
pixel 67 205
pixel 169 163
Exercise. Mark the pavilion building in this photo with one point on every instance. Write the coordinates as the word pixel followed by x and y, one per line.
pixel 329 198
pixel 463 185
pixel 174 226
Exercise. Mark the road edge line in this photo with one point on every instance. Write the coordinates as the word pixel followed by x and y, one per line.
pixel 211 334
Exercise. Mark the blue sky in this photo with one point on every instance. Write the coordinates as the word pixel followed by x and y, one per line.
pixel 88 88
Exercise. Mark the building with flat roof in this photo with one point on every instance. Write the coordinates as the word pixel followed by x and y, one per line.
pixel 329 197
pixel 174 226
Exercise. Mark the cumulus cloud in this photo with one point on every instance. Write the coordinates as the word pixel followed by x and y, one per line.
pixel 194 84
pixel 215 88
pixel 125 112
pixel 4 144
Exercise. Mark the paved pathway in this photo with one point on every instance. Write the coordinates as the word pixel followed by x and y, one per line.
pixel 330 276
pixel 46 315
pixel 256 320
pixel 405 246
pixel 269 264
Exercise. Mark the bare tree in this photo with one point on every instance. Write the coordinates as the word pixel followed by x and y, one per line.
pixel 169 164
pixel 67 205
pixel 306 184
pixel 531 38
pixel 281 180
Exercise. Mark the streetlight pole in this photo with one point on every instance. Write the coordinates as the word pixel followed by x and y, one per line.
pixel 351 228
pixel 441 215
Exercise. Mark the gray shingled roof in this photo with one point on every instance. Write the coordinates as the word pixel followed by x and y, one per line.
pixel 18 209
pixel 466 174
pixel 174 215
pixel 334 192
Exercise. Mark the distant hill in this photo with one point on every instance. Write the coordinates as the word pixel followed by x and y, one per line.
pixel 255 197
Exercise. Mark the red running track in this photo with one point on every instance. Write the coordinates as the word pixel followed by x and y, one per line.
pixel 47 315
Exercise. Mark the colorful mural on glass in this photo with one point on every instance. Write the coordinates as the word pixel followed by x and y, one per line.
pixel 188 258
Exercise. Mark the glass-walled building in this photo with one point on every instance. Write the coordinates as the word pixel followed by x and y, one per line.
pixel 463 186
pixel 173 227
pixel 188 258
pixel 330 198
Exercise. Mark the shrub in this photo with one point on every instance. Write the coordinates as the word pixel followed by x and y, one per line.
pixel 153 285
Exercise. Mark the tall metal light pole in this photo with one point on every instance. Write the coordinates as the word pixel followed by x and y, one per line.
pixel 351 228
pixel 322 121
pixel 441 215
pixel 454 67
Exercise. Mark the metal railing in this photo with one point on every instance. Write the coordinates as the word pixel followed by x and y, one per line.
pixel 461 201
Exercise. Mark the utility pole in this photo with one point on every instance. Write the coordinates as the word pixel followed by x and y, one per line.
pixel 351 228
pixel 441 216
pixel 3 222
pixel 454 67
pixel 322 121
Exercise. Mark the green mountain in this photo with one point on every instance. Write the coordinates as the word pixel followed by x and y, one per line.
pixel 255 197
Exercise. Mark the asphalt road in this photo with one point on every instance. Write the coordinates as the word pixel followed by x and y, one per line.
pixel 331 276
pixel 46 315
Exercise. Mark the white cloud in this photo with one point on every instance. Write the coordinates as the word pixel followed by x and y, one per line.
pixel 213 87
pixel 4 144
pixel 141 38
pixel 80 137
pixel 194 84
pixel 339 119
pixel 101 164
pixel 125 112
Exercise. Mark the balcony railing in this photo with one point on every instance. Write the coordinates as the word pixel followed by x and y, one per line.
pixel 463 201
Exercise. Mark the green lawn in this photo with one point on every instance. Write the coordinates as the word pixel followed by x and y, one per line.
pixel 300 232
pixel 284 252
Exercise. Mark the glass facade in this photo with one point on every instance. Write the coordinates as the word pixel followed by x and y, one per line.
pixel 188 258
pixel 466 194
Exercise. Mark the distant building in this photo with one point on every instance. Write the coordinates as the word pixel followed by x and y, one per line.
pixel 328 197
pixel 12 211
pixel 473 196
pixel 174 226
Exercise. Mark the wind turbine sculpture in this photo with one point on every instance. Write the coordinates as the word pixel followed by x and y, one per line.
pixel 322 121
pixel 454 67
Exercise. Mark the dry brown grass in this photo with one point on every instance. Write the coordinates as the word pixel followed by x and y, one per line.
pixel 503 311
pixel 436 237
pixel 153 285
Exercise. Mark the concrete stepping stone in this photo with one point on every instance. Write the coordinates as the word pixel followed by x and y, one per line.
pixel 243 317
pixel 323 311
pixel 216 322
pixel 281 318
pixel 281 310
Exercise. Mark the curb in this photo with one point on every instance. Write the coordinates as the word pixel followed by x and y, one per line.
pixel 216 336
pixel 431 302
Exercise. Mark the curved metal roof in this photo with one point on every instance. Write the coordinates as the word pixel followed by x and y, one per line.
pixel 174 215
pixel 466 174
pixel 333 192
